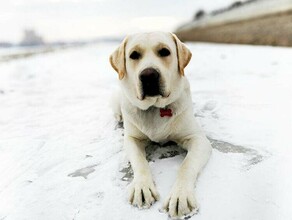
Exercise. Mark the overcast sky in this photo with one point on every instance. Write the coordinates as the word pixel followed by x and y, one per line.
pixel 85 19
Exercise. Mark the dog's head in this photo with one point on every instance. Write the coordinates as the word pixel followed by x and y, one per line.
pixel 151 68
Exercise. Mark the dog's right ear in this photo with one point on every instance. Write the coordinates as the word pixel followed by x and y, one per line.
pixel 118 59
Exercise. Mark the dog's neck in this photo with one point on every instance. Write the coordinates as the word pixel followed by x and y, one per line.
pixel 172 109
pixel 164 112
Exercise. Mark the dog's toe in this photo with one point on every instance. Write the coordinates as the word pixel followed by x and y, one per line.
pixel 142 194
pixel 181 203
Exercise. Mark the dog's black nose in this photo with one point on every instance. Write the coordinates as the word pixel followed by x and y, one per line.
pixel 149 75
pixel 150 82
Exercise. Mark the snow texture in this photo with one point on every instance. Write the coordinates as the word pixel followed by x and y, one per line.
pixel 61 151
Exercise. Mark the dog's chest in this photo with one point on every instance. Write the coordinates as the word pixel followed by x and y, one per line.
pixel 155 123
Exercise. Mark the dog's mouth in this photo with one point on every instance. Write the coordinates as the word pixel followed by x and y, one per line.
pixel 142 97
pixel 156 90
pixel 161 94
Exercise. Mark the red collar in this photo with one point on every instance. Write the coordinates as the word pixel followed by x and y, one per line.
pixel 165 112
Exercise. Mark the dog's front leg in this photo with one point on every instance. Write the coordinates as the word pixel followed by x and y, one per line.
pixel 142 191
pixel 181 200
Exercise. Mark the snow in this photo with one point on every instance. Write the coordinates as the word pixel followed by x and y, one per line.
pixel 16 50
pixel 61 153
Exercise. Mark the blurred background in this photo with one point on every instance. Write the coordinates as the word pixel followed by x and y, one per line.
pixel 55 24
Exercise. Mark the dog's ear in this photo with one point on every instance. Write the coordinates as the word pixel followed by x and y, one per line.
pixel 118 59
pixel 184 55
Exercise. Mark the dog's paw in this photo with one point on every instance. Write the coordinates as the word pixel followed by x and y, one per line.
pixel 118 117
pixel 181 203
pixel 142 193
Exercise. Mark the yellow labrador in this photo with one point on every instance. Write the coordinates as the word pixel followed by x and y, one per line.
pixel 155 105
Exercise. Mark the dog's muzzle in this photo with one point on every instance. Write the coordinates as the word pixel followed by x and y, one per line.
pixel 150 78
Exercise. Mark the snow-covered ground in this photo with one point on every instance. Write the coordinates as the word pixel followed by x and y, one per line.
pixel 17 50
pixel 61 151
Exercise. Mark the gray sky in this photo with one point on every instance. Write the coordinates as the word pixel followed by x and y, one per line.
pixel 84 19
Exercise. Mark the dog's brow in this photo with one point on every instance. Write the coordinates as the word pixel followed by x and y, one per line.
pixel 161 45
pixel 136 48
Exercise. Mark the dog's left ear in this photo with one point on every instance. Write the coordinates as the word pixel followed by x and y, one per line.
pixel 184 55
pixel 118 59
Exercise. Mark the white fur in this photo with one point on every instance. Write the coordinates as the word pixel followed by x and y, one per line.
pixel 143 123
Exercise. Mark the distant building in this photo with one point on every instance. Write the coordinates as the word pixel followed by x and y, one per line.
pixel 259 22
pixel 31 38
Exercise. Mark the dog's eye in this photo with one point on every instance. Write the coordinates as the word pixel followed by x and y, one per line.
pixel 135 55
pixel 164 52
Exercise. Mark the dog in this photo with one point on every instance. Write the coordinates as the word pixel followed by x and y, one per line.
pixel 155 105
